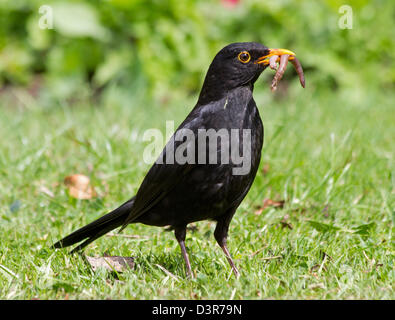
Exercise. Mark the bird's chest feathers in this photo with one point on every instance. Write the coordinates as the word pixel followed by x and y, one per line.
pixel 234 111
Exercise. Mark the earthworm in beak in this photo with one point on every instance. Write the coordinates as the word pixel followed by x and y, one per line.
pixel 280 71
pixel 282 56
pixel 273 62
pixel 299 70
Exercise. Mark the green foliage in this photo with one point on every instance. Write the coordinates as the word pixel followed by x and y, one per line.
pixel 167 45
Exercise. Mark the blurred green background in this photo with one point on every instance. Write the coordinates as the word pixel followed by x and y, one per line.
pixel 114 49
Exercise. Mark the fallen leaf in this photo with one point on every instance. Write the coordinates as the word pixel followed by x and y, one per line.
pixel 273 203
pixel 111 263
pixel 79 187
pixel 269 203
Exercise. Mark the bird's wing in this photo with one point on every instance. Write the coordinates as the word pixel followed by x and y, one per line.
pixel 161 178
pixel 158 182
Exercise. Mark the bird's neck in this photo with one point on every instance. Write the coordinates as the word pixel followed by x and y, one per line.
pixel 215 90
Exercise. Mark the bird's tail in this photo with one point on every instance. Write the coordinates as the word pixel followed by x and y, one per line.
pixel 97 228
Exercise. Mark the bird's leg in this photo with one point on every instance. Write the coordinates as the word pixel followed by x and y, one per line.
pixel 220 234
pixel 180 233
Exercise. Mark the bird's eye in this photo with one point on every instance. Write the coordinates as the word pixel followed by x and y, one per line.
pixel 244 57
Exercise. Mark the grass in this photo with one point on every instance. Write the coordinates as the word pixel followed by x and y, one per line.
pixel 328 155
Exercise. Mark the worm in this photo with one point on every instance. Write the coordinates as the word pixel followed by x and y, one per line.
pixel 299 71
pixel 273 62
pixel 280 71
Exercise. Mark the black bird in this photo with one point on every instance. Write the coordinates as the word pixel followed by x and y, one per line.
pixel 176 194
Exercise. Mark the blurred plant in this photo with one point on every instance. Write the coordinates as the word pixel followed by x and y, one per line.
pixel 160 46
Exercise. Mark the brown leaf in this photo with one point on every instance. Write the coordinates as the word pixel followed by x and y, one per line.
pixel 111 263
pixel 269 203
pixel 79 186
pixel 273 203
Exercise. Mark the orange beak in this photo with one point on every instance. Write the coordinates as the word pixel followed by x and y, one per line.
pixel 275 52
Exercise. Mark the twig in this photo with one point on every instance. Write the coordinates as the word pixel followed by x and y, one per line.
pixel 129 236
pixel 167 272
pixel 271 258
pixel 259 250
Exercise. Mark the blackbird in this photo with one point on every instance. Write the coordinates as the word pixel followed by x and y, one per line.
pixel 175 191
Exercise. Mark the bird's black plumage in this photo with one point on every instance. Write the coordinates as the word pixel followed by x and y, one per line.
pixel 178 194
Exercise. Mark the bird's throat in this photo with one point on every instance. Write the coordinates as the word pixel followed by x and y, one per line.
pixel 210 93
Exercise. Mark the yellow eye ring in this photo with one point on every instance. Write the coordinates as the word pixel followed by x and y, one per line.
pixel 244 57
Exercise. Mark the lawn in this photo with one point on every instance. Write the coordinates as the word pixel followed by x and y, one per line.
pixel 328 165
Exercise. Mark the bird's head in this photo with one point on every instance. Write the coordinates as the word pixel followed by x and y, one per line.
pixel 235 65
